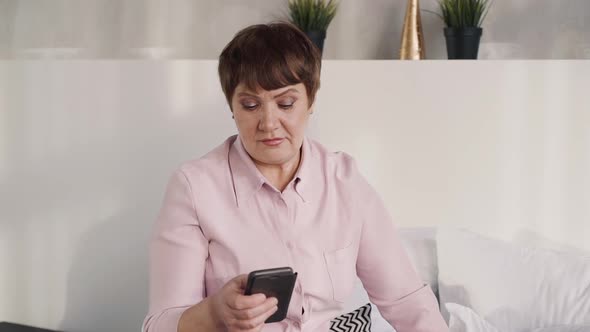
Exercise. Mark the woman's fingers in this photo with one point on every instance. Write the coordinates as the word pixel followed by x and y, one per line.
pixel 254 324
pixel 256 311
pixel 245 313
pixel 244 302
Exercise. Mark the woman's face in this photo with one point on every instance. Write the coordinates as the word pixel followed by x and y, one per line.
pixel 272 123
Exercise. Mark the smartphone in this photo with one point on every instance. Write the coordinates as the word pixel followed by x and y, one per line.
pixel 276 282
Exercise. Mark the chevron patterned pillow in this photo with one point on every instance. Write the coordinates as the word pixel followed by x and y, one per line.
pixel 354 321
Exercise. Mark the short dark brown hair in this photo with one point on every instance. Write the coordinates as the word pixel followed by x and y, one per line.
pixel 270 56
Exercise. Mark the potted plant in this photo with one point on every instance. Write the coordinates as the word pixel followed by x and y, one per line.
pixel 313 18
pixel 463 19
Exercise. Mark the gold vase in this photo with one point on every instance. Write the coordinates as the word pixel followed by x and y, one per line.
pixel 412 38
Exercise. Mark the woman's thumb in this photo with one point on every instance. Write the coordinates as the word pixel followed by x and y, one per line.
pixel 241 281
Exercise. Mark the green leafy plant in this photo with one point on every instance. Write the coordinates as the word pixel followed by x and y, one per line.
pixel 312 15
pixel 463 13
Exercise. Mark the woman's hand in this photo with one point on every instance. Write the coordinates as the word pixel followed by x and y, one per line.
pixel 238 312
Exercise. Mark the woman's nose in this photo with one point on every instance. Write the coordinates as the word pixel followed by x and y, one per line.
pixel 268 118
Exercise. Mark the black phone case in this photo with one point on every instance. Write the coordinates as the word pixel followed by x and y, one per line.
pixel 279 285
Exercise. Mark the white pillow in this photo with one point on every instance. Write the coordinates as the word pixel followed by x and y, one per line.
pixel 463 319
pixel 515 288
pixel 564 328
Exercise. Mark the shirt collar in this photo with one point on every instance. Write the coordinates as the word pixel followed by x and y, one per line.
pixel 247 179
pixel 303 176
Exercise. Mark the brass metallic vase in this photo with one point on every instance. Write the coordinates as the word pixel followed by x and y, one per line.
pixel 412 38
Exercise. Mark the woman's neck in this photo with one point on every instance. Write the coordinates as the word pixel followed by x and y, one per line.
pixel 280 175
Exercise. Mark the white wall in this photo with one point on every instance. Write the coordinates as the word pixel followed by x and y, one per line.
pixel 199 29
pixel 86 149
pixel 501 146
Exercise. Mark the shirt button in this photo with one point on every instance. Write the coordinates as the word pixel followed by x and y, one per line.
pixel 289 245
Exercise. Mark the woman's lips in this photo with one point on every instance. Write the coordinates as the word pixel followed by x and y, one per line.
pixel 273 142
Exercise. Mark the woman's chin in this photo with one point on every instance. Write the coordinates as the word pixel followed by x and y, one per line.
pixel 272 158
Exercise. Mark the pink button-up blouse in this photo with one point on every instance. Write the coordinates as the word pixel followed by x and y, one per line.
pixel 221 218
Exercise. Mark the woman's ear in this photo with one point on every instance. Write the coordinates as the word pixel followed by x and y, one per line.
pixel 311 108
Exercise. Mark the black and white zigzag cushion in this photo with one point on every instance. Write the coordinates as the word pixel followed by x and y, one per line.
pixel 354 321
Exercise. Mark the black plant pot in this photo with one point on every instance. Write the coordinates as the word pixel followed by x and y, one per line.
pixel 317 38
pixel 463 43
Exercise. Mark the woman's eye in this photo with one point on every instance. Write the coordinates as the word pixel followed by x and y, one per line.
pixel 250 106
pixel 285 106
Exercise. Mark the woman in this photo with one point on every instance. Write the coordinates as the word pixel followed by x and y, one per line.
pixel 271 197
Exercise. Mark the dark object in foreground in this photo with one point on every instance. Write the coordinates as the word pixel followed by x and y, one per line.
pixel 10 327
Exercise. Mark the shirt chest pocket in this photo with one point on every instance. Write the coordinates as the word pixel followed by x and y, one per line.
pixel 341 266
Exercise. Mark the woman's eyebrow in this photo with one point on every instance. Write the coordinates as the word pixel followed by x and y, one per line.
pixel 250 94
pixel 285 92
pixel 247 94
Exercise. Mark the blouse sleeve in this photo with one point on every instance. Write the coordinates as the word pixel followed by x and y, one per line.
pixel 178 251
pixel 388 275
